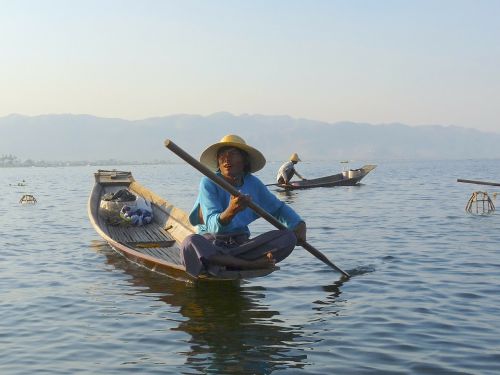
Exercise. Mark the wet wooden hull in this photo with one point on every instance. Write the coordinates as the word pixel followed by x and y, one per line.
pixel 155 245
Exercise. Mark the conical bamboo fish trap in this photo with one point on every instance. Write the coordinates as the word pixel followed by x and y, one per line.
pixel 480 203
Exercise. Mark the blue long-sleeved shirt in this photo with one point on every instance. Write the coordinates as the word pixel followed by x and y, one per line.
pixel 213 200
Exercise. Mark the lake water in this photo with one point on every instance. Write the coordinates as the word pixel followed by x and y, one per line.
pixel 424 296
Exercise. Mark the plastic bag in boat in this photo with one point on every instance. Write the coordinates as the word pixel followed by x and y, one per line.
pixel 112 203
pixel 140 214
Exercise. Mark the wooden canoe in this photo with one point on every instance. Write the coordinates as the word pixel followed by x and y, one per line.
pixel 347 178
pixel 155 245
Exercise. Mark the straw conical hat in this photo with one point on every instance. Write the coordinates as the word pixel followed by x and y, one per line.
pixel 209 156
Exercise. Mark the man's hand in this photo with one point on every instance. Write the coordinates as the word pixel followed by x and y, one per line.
pixel 236 204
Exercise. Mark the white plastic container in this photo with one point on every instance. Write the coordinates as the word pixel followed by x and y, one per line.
pixel 353 173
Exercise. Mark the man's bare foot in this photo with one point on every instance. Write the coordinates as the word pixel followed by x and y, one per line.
pixel 266 261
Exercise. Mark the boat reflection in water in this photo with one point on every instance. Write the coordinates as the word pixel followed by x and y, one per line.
pixel 231 329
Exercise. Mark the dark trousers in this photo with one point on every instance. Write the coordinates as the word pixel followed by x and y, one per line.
pixel 196 249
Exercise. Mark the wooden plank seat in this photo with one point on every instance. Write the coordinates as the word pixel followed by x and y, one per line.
pixel 150 244
pixel 150 239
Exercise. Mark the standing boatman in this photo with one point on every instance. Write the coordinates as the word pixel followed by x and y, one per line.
pixel 287 170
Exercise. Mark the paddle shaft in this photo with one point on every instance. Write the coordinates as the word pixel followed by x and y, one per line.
pixel 478 182
pixel 233 191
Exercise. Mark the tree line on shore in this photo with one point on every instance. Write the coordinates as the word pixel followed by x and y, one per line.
pixel 12 161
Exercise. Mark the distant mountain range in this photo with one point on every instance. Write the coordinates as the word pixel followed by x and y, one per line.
pixel 83 137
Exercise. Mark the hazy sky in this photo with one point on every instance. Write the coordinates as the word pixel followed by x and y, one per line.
pixel 414 62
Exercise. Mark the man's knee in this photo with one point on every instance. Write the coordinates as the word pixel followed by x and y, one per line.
pixel 284 245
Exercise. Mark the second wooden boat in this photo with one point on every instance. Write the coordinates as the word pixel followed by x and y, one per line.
pixel 347 178
pixel 155 245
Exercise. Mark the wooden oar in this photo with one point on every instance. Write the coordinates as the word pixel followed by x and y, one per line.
pixel 233 191
pixel 278 184
pixel 478 182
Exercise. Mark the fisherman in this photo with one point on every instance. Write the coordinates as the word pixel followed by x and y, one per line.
pixel 223 239
pixel 287 170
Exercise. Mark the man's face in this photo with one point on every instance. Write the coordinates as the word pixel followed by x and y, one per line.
pixel 231 162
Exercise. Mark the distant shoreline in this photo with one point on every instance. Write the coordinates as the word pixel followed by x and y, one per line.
pixel 28 164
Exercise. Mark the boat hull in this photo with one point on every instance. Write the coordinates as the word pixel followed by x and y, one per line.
pixel 155 246
pixel 350 178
